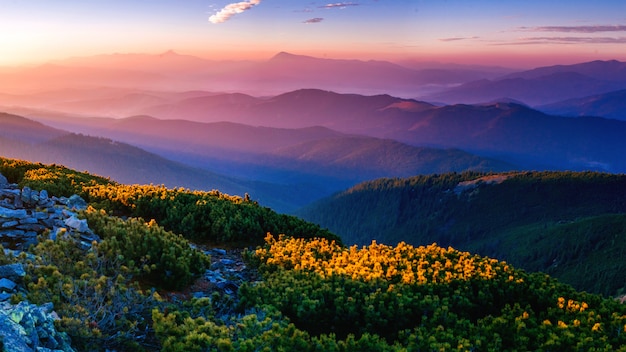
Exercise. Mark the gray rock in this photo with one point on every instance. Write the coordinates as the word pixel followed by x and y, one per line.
pixel 40 215
pixel 43 196
pixel 12 233
pixel 7 285
pixel 26 195
pixel 77 203
pixel 13 335
pixel 13 272
pixel 31 228
pixel 228 287
pixel 9 193
pixel 226 261
pixel 5 296
pixel 9 223
pixel 218 251
pixel 89 237
pixel 77 224
pixel 11 213
pixel 5 203
pixel 66 213
pixel 28 327
pixel 28 221
pixel 3 181
pixel 17 202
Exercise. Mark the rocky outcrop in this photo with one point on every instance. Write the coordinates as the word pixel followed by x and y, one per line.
pixel 11 276
pixel 27 327
pixel 27 213
pixel 24 215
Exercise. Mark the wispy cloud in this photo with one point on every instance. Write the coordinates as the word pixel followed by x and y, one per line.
pixel 566 40
pixel 454 39
pixel 313 20
pixel 341 5
pixel 232 9
pixel 575 29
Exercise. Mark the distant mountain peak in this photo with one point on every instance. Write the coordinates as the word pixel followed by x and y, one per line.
pixel 169 53
pixel 283 56
pixel 506 100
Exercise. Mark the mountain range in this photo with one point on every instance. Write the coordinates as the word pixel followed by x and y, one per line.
pixel 541 86
pixel 276 166
pixel 611 105
pixel 511 132
pixel 313 139
pixel 284 72
pixel 280 73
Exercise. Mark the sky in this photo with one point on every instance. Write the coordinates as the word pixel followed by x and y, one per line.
pixel 514 33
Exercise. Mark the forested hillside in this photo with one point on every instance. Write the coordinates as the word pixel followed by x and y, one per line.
pixel 558 222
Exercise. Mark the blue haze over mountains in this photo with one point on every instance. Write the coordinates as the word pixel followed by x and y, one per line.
pixel 294 129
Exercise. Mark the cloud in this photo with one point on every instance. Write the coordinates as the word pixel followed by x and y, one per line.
pixel 232 9
pixel 575 29
pixel 454 39
pixel 313 20
pixel 341 5
pixel 567 40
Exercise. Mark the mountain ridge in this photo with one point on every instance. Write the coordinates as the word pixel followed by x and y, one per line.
pixel 510 131
pixel 608 105
pixel 262 161
pixel 543 85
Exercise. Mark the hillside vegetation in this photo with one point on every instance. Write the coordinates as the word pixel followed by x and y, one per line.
pixel 202 216
pixel 562 223
pixel 312 292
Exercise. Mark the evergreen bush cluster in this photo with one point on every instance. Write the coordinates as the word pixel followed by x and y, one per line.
pixel 429 298
pixel 204 216
pixel 97 292
pixel 561 223
pixel 160 257
pixel 211 217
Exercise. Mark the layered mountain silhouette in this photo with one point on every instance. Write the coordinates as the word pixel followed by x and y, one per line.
pixel 192 110
pixel 543 85
pixel 22 138
pixel 285 168
pixel 610 105
pixel 280 73
pixel 509 131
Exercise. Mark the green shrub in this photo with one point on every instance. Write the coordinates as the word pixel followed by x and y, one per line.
pixel 457 301
pixel 211 217
pixel 98 309
pixel 159 257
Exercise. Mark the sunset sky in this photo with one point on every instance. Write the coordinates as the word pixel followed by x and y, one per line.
pixel 520 33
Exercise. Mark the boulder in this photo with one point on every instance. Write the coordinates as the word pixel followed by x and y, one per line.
pixel 7 285
pixel 5 296
pixel 11 213
pixel 3 181
pixel 77 224
pixel 76 202
pixel 14 272
pixel 28 327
